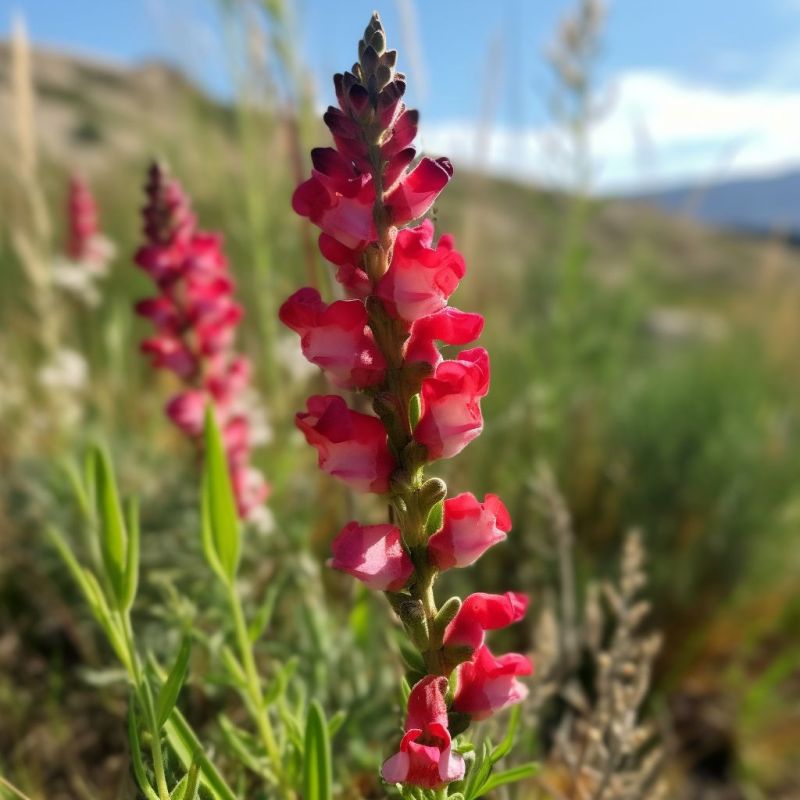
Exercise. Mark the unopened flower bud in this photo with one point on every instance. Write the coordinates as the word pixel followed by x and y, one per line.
pixel 378 42
pixel 432 492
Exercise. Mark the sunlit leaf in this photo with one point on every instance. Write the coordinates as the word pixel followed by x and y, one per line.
pixel 219 502
pixel 113 536
pixel 317 773
pixel 168 694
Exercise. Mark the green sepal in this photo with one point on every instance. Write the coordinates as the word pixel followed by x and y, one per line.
pixel 453 655
pixel 435 519
pixel 443 618
pixel 414 410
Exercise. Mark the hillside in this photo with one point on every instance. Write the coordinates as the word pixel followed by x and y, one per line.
pixel 91 116
pixel 766 204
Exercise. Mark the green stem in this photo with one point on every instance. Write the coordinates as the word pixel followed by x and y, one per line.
pixel 144 701
pixel 253 690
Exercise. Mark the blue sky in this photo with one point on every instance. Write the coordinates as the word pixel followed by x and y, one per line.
pixel 695 89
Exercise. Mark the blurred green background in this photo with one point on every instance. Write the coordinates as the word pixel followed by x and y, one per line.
pixel 651 362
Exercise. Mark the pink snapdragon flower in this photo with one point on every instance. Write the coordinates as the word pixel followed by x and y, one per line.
pixel 374 554
pixel 87 252
pixel 351 446
pixel 489 683
pixel 420 277
pixel 86 244
pixel 195 318
pixel 337 198
pixel 449 325
pixel 469 529
pixel 425 757
pixel 385 342
pixel 451 409
pixel 482 612
pixel 335 337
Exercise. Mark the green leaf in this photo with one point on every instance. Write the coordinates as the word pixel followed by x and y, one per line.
pixel 317 775
pixel 435 519
pixel 81 492
pixel 179 792
pixel 219 499
pixel 192 779
pixel 189 750
pixel 113 536
pixel 505 746
pixel 510 776
pixel 262 617
pixel 233 667
pixel 281 680
pixel 168 694
pixel 479 773
pixel 240 742
pixel 335 722
pixel 131 576
pixel 209 549
pixel 136 758
pixel 63 548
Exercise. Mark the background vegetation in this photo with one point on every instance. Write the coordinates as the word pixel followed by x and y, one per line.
pixel 650 365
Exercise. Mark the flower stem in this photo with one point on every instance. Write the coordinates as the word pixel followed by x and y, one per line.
pixel 145 703
pixel 253 691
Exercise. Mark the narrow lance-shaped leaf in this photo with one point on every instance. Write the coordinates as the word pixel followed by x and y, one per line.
pixel 317 775
pixel 189 751
pixel 131 576
pixel 168 694
pixel 506 744
pixel 113 536
pixel 136 758
pixel 509 776
pixel 209 548
pixel 219 499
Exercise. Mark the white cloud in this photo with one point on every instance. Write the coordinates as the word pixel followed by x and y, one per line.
pixel 659 129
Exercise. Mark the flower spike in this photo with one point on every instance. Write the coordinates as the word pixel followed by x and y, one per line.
pixel 368 195
pixel 195 318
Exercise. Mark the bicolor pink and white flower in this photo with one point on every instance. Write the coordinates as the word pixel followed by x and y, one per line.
pixel 336 338
pixel 425 757
pixel 469 529
pixel 482 612
pixel 351 446
pixel 420 278
pixel 451 409
pixel 489 683
pixel 374 554
pixel 449 325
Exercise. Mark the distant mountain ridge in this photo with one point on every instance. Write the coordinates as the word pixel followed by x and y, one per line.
pixel 767 204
